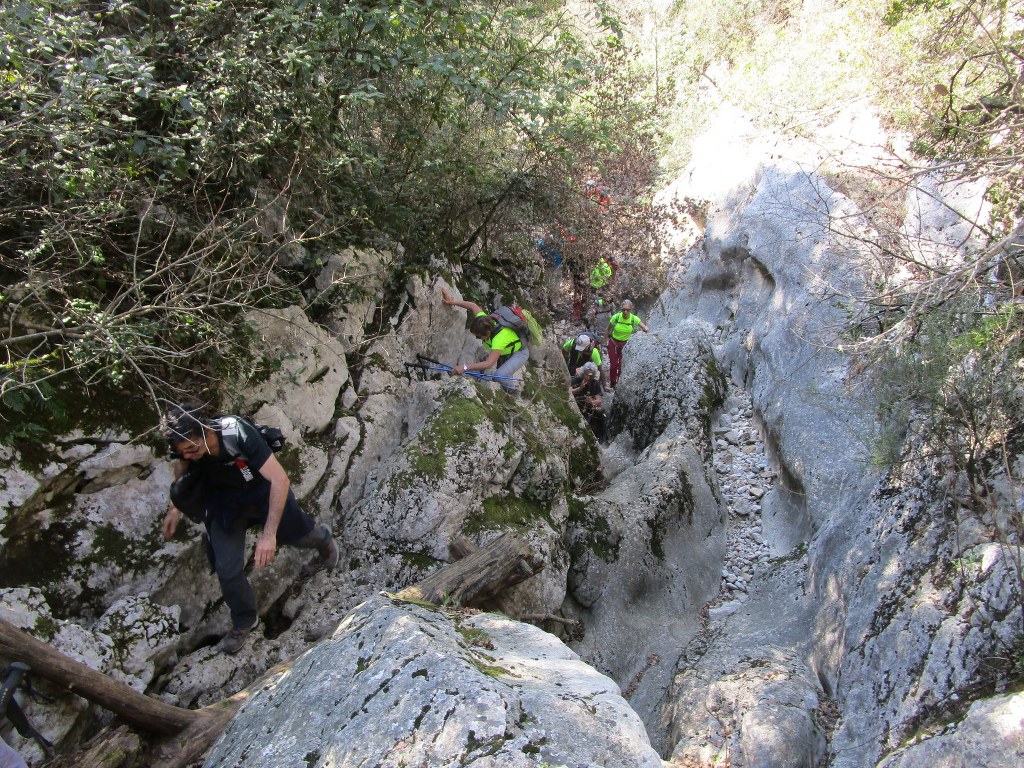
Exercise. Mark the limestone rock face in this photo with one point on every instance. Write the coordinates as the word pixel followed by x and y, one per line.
pixel 308 356
pixel 989 736
pixel 87 530
pixel 649 548
pixel 472 467
pixel 398 684
pixel 764 709
pixel 670 376
pixel 647 552
pixel 879 585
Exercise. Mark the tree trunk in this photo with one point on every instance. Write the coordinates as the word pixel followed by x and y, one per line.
pixel 136 708
pixel 480 576
pixel 190 745
pixel 118 747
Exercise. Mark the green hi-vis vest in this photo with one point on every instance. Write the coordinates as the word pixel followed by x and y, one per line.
pixel 622 328
pixel 506 340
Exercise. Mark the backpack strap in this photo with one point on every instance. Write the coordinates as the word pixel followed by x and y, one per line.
pixel 229 436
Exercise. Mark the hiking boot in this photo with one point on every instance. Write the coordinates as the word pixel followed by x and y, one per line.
pixel 320 538
pixel 329 552
pixel 233 641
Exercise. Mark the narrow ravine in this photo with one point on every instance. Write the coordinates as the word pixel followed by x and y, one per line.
pixel 745 477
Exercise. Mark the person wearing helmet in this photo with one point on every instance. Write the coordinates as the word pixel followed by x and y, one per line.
pixel 581 349
pixel 621 327
pixel 589 394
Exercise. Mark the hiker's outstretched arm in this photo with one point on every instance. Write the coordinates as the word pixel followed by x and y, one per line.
pixel 452 301
pixel 266 544
pixel 489 362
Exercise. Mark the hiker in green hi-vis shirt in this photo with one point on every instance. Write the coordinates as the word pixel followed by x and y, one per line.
pixel 621 326
pixel 506 348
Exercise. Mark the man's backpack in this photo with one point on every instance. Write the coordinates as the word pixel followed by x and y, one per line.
pixel 188 493
pixel 519 320
pixel 229 434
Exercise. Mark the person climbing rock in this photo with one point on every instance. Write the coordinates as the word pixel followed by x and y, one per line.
pixel 237 482
pixel 587 390
pixel 600 275
pixel 600 311
pixel 621 327
pixel 507 349
pixel 581 349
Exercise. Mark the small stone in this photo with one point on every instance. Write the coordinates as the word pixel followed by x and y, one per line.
pixel 723 610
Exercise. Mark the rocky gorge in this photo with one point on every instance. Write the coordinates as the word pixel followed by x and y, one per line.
pixel 751 589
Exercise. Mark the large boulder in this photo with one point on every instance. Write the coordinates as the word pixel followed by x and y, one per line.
pixel 399 684
pixel 990 735
pixel 311 367
pixel 761 711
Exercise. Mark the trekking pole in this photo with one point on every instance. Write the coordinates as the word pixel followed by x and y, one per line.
pixel 492 376
pixel 432 361
pixel 15 673
pixel 445 368
pixel 422 367
pixel 478 374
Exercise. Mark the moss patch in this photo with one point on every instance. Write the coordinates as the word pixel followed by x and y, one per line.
pixel 584 456
pixel 593 533
pixel 505 512
pixel 454 425
pixel 110 546
pixel 419 560
pixel 559 402
pixel 475 636
pixel 290 459
pixel 38 557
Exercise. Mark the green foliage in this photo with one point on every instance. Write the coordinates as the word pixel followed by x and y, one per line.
pixel 901 9
pixel 963 368
pixel 163 162
pixel 25 417
pixel 506 512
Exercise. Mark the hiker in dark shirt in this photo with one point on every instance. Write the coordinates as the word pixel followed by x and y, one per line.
pixel 581 349
pixel 586 388
pixel 239 488
pixel 506 349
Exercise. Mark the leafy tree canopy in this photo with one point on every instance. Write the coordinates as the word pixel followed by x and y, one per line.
pixel 145 146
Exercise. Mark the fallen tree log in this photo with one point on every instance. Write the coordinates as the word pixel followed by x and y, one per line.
pixel 115 747
pixel 136 708
pixel 190 732
pixel 480 576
